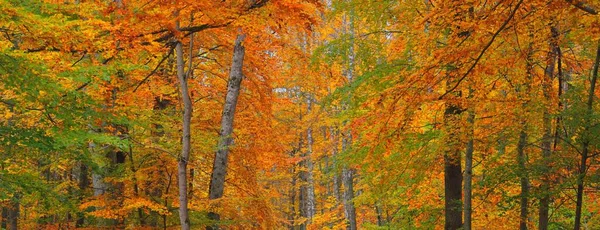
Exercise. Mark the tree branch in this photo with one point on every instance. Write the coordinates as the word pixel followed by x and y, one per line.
pixel 583 6
pixel 155 69
pixel 487 46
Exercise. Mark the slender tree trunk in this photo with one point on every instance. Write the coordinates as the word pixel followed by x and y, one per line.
pixel 136 189
pixel 292 214
pixel 522 143
pixel 469 169
pixel 349 209
pixel 524 180
pixel 84 182
pixel 309 188
pixel 303 186
pixel 219 172
pixel 379 217
pixel 547 136
pixel 185 143
pixel 348 182
pixel 347 172
pixel 334 165
pixel 189 74
pixel 311 203
pixel 586 142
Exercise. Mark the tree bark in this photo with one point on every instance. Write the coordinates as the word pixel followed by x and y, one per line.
pixel 334 165
pixel 185 142
pixel 84 182
pixel 452 171
pixel 219 171
pixel 14 212
pixel 547 135
pixel 136 190
pixel 349 209
pixel 524 180
pixel 308 189
pixel 347 172
pixel 522 143
pixel 469 169
pixel 586 142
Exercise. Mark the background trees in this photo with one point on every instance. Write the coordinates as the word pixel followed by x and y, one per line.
pixel 350 114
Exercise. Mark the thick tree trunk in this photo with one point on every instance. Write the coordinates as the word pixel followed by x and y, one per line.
pixel 185 143
pixel 452 171
pixel 586 142
pixel 14 212
pixel 219 171
pixel 4 218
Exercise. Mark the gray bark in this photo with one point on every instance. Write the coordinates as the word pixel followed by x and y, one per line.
pixel 219 171
pixel 349 209
pixel 586 142
pixel 336 178
pixel 186 136
pixel 348 173
pixel 310 188
pixel 97 179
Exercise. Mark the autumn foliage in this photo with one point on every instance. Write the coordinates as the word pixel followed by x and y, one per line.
pixel 352 114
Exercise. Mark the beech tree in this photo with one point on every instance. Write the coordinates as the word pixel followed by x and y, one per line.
pixel 299 114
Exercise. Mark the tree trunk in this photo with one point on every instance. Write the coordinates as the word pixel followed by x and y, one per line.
pixel 469 169
pixel 347 172
pixel 524 180
pixel 219 171
pixel 4 218
pixel 334 165
pixel 84 182
pixel 308 189
pixel 13 213
pixel 586 142
pixel 186 136
pixel 136 189
pixel 522 144
pixel 292 213
pixel 547 136
pixel 348 182
pixel 452 171
pixel 349 209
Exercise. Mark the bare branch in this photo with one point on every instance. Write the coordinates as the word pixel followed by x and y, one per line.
pixel 155 69
pixel 487 46
pixel 583 6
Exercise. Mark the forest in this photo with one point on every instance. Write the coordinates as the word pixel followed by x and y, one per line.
pixel 299 114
